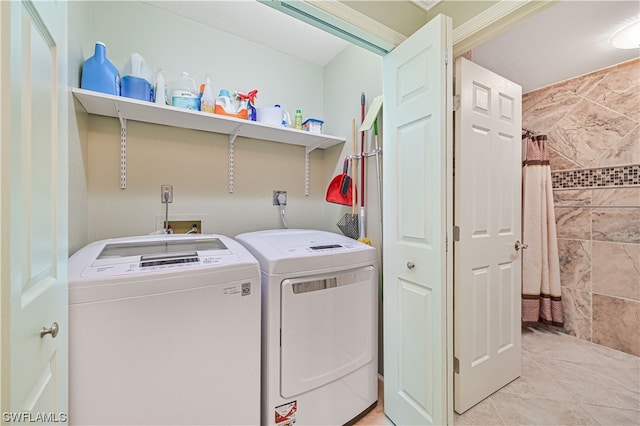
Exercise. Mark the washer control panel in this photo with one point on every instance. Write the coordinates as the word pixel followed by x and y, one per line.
pixel 164 256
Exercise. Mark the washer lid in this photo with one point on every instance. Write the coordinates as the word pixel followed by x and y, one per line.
pixel 155 254
pixel 156 248
pixel 303 250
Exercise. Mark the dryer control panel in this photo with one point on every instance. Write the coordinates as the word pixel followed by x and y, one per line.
pixel 330 247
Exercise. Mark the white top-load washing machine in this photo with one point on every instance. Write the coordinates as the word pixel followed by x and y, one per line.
pixel 164 330
pixel 319 326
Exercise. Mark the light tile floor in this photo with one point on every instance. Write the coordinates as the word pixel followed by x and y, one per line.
pixel 565 381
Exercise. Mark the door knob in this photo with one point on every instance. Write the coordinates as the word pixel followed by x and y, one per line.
pixel 53 330
pixel 411 265
pixel 520 245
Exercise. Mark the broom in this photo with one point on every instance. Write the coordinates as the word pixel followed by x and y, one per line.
pixel 362 238
pixel 349 222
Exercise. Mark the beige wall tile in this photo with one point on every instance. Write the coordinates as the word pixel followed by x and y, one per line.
pixel 588 131
pixel 620 89
pixel 558 161
pixel 616 269
pixel 626 151
pixel 573 223
pixel 576 305
pixel 616 224
pixel 541 110
pixel 583 85
pixel 616 323
pixel 616 197
pixel 572 197
pixel 575 263
pixel 593 121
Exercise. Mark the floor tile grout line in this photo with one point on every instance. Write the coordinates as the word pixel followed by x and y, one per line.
pixel 556 383
pixel 589 414
pixel 590 365
pixel 495 407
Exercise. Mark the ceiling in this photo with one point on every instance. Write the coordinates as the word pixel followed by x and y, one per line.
pixel 566 40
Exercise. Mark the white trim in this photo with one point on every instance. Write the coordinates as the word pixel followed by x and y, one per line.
pixel 351 16
pixel 425 4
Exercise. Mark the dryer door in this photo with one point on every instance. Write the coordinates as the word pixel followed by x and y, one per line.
pixel 328 328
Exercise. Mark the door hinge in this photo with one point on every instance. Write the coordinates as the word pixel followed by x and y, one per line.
pixel 446 56
pixel 456 102
pixel 456 233
pixel 446 244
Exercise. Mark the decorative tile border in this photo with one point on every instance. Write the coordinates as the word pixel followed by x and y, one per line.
pixel 597 178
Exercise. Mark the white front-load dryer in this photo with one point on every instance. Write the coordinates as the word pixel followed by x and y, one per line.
pixel 319 326
pixel 164 330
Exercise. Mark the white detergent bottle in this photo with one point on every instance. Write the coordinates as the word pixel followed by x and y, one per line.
pixel 224 104
pixel 207 102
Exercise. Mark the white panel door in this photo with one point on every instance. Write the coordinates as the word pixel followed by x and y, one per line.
pixel 487 281
pixel 34 210
pixel 418 139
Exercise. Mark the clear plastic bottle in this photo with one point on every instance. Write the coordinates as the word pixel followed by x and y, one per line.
pixel 208 103
pixel 185 94
pixel 160 91
pixel 298 119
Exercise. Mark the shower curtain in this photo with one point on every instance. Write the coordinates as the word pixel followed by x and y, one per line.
pixel 541 296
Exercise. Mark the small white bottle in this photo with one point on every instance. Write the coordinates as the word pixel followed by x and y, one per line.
pixel 160 89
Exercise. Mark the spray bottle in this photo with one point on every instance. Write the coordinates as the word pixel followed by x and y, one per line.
pixel 250 99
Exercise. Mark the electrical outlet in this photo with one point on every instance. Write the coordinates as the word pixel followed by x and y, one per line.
pixel 276 198
pixel 163 190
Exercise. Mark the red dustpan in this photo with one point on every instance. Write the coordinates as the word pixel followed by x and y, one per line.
pixel 340 188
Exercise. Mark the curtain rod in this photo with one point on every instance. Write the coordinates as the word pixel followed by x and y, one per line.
pixel 526 133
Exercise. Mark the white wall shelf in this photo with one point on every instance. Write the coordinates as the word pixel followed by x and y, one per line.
pixel 132 109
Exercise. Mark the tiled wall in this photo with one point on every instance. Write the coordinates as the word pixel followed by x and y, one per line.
pixel 593 125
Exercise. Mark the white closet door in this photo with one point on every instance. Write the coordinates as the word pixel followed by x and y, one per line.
pixel 34 209
pixel 487 218
pixel 418 143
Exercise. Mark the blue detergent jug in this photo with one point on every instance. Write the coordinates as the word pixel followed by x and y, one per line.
pixel 99 74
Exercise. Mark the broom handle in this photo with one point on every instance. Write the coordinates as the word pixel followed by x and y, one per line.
pixel 353 177
pixel 362 174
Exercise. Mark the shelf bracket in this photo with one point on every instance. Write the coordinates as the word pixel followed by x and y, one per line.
pixel 232 139
pixel 307 179
pixel 123 148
